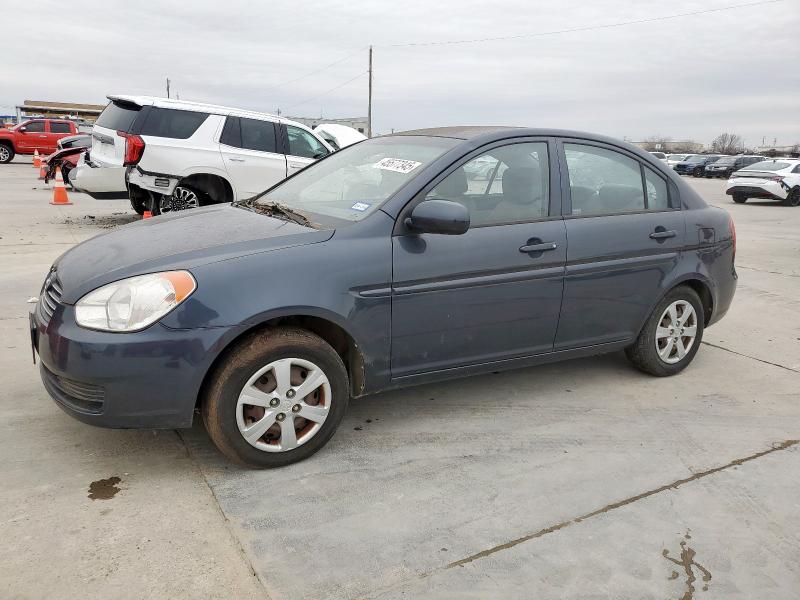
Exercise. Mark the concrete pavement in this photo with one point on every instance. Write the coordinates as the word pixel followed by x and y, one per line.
pixel 584 479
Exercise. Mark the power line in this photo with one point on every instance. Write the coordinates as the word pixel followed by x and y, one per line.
pixel 315 71
pixel 333 89
pixel 586 28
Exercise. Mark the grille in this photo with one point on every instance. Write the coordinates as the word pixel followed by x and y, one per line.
pixel 85 397
pixel 50 297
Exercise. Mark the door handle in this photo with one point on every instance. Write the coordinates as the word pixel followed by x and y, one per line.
pixel 538 247
pixel 234 159
pixel 661 234
pixel 291 166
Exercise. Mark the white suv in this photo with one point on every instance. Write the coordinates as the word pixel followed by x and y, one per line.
pixel 773 179
pixel 177 155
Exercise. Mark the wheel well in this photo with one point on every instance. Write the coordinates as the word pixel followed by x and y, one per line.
pixel 705 297
pixel 8 143
pixel 344 345
pixel 215 187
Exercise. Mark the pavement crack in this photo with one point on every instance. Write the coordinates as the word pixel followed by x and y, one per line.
pixel 761 360
pixel 237 543
pixel 619 504
pixel 767 271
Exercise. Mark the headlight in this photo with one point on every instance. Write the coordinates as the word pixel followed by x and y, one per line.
pixel 134 303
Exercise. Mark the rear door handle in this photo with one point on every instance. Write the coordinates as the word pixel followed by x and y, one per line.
pixel 234 159
pixel 661 234
pixel 538 247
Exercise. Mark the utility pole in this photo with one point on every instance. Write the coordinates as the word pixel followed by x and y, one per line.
pixel 167 87
pixel 369 101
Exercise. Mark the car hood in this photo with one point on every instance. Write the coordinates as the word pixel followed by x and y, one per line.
pixel 181 240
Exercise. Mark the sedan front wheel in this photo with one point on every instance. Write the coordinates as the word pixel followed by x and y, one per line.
pixel 277 398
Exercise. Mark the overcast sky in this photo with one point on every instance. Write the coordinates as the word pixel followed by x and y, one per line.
pixel 685 78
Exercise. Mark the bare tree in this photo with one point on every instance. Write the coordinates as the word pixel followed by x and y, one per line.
pixel 727 143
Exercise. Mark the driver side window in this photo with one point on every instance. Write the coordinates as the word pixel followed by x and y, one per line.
pixel 34 127
pixel 302 143
pixel 508 184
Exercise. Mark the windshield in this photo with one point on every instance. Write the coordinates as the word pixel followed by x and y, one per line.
pixel 354 182
pixel 767 165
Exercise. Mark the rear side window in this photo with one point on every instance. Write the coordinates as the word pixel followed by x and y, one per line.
pixel 35 127
pixel 603 181
pixel 171 123
pixel 656 188
pixel 59 127
pixel 118 116
pixel 258 135
pixel 231 133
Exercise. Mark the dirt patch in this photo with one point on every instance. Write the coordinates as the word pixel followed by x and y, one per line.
pixel 104 489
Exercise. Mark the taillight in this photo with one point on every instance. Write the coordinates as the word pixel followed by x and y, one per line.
pixel 134 148
pixel 776 177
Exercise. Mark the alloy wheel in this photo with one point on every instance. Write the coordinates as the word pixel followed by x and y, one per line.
pixel 4 154
pixel 182 198
pixel 283 405
pixel 676 331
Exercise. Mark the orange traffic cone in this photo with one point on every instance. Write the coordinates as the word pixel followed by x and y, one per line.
pixel 147 214
pixel 37 161
pixel 42 171
pixel 60 197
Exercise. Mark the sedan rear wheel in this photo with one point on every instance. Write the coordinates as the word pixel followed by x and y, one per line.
pixel 276 398
pixel 739 198
pixel 793 199
pixel 671 336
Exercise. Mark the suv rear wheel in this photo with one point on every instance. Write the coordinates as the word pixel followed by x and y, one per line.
pixel 6 153
pixel 276 398
pixel 671 336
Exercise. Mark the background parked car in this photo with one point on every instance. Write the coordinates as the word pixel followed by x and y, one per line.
pixel 674 159
pixel 775 179
pixel 82 140
pixel 338 136
pixel 696 163
pixel 660 156
pixel 726 165
pixel 66 159
pixel 40 135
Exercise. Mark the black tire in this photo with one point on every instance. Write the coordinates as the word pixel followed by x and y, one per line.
pixel 739 198
pixel 698 172
pixel 6 153
pixel 643 354
pixel 159 201
pixel 793 199
pixel 219 402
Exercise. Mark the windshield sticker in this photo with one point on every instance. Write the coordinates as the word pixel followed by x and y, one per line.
pixel 360 206
pixel 398 165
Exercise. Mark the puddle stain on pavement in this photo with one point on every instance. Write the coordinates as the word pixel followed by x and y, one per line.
pixel 688 563
pixel 104 489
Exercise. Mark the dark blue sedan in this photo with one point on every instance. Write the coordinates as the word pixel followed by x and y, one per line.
pixel 383 265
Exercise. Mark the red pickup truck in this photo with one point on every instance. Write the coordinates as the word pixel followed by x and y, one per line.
pixel 35 134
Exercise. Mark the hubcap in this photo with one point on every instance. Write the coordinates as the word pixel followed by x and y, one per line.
pixel 181 199
pixel 283 405
pixel 4 153
pixel 676 331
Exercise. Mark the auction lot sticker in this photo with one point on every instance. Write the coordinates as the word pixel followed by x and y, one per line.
pixel 398 165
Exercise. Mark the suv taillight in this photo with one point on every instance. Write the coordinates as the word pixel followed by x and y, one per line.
pixel 134 148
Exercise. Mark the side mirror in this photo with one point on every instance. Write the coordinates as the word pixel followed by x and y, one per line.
pixel 23 129
pixel 439 216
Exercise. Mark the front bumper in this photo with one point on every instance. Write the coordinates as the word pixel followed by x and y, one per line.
pixel 147 379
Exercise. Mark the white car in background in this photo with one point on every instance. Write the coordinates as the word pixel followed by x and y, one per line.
pixel 337 135
pixel 674 159
pixel 660 156
pixel 170 155
pixel 773 179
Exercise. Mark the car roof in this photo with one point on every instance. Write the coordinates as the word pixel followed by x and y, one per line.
pixel 201 107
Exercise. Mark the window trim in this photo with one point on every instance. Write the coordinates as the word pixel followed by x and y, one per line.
pixel 673 199
pixel 554 201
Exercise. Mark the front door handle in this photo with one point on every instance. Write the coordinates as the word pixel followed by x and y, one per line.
pixel 234 159
pixel 544 247
pixel 661 234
